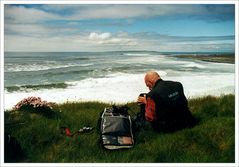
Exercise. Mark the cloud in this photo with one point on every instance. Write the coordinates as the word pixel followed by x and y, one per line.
pixel 115 12
pixel 179 39
pixel 38 30
pixel 26 14
pixel 26 29
pixel 21 14
pixel 106 41
pixel 131 11
pixel 106 38
pixel 92 41
pixel 83 27
pixel 119 11
pixel 96 36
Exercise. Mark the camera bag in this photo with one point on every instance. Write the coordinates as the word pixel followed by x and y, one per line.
pixel 116 128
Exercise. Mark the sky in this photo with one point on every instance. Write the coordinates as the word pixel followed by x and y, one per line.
pixel 119 27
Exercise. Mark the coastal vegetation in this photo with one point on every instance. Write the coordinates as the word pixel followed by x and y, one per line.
pixel 216 58
pixel 212 140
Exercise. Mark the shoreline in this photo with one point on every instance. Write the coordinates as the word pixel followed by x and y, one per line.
pixel 129 85
pixel 127 89
pixel 215 58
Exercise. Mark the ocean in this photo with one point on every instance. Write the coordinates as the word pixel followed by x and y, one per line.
pixel 113 77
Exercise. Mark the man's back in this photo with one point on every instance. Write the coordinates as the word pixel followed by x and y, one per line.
pixel 171 106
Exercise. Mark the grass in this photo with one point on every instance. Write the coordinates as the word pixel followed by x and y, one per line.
pixel 212 140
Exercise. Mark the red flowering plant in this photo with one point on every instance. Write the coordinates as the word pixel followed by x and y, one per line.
pixel 35 104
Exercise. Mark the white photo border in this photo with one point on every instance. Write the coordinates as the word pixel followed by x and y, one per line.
pixel 3 2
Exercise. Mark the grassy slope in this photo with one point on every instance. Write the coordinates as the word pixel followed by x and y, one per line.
pixel 211 140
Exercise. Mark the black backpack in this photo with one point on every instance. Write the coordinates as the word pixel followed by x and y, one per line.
pixel 116 128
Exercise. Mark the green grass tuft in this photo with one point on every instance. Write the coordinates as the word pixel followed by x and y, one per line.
pixel 211 140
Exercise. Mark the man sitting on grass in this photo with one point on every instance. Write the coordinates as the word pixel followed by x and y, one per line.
pixel 166 106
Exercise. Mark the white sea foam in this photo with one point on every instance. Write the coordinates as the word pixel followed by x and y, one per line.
pixel 41 67
pixel 193 65
pixel 116 86
pixel 122 88
pixel 137 54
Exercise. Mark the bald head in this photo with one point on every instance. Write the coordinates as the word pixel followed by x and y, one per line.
pixel 151 78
